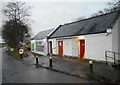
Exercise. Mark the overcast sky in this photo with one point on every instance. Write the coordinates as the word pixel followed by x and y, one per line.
pixel 49 14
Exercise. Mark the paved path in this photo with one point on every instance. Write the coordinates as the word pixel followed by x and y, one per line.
pixel 107 71
pixel 77 67
pixel 0 65
pixel 19 71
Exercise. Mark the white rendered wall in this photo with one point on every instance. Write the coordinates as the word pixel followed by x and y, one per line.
pixel 96 45
pixel 54 46
pixel 35 47
pixel 45 47
pixel 67 47
pixel 75 47
pixel 119 37
pixel 71 46
pixel 116 38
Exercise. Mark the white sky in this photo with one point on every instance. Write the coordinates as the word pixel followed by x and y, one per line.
pixel 49 14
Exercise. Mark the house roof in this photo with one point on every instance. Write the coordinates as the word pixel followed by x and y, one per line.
pixel 42 34
pixel 93 25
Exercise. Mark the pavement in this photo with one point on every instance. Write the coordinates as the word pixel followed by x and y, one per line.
pixel 0 67
pixel 21 71
pixel 78 68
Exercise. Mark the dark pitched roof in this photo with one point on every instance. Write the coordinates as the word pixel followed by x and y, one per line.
pixel 42 34
pixel 92 25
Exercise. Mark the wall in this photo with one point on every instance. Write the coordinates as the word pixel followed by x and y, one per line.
pixel 75 47
pixel 70 46
pixel 116 38
pixel 54 46
pixel 96 45
pixel 67 47
pixel 119 36
pixel 38 47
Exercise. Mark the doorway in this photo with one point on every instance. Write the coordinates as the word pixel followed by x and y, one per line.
pixel 50 47
pixel 60 48
pixel 82 48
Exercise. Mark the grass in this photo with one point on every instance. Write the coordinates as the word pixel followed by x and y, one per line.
pixel 93 76
pixel 15 54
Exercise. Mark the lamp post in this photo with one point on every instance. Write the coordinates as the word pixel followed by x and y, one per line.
pixel 37 63
pixel 50 61
pixel 91 66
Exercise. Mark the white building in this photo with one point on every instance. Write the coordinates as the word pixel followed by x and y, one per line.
pixel 39 43
pixel 88 38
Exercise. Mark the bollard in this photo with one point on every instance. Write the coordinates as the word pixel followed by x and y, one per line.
pixel 50 61
pixel 91 66
pixel 20 56
pixel 37 62
pixel 21 52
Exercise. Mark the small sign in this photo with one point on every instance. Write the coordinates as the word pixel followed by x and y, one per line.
pixel 21 51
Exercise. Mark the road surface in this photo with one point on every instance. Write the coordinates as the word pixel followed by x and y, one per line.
pixel 14 71
pixel 0 66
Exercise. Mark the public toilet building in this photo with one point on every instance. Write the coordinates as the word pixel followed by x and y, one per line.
pixel 39 43
pixel 88 38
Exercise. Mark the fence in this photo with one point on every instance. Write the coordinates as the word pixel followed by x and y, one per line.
pixel 112 57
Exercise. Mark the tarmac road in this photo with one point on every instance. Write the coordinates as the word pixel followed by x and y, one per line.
pixel 14 71
pixel 0 66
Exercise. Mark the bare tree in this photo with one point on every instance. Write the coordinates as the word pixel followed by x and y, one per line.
pixel 106 10
pixel 17 11
pixel 16 24
pixel 114 6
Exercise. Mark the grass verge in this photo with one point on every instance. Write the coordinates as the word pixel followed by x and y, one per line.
pixel 93 76
pixel 15 54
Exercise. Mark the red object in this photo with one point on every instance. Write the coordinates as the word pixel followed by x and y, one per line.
pixel 29 49
pixel 60 48
pixel 51 47
pixel 25 50
pixel 82 48
pixel 20 51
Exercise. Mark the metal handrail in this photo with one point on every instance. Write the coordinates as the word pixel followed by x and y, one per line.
pixel 114 52
pixel 112 57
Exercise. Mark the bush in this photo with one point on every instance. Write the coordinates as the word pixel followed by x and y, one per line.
pixel 15 54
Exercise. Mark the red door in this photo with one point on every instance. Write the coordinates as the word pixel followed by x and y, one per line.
pixel 60 48
pixel 50 47
pixel 82 48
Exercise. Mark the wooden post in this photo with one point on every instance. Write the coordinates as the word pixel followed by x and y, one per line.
pixel 106 56
pixel 114 58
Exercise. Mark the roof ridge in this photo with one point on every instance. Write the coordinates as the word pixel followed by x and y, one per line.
pixel 89 18
pixel 46 30
pixel 87 27
pixel 43 31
